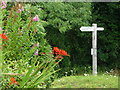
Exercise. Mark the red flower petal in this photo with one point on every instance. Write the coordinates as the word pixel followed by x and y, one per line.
pixel 3 36
pixel 56 49
pixel 64 53
pixel 13 80
pixel 11 83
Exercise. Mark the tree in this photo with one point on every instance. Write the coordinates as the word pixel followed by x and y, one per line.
pixel 107 16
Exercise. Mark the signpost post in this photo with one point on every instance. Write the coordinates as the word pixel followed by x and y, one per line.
pixel 94 30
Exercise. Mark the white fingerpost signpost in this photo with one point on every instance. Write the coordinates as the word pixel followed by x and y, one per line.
pixel 94 30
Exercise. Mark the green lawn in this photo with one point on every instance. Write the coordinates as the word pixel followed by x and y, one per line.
pixel 100 81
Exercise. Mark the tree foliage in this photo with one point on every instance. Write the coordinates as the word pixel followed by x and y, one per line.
pixel 63 23
pixel 107 16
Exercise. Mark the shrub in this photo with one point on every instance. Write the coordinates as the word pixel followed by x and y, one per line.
pixel 24 65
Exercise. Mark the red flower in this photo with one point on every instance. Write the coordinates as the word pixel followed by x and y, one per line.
pixel 3 36
pixel 64 53
pixel 57 50
pixel 60 52
pixel 13 81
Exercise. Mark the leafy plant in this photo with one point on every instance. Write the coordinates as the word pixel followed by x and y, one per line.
pixel 22 53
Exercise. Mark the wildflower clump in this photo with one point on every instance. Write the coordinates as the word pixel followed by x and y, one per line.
pixel 23 38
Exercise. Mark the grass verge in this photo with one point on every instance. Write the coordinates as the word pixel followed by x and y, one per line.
pixel 100 81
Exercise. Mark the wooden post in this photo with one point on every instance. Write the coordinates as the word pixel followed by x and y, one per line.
pixel 94 46
pixel 94 30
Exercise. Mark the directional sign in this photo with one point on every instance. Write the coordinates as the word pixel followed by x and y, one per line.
pixel 83 28
pixel 86 28
pixel 94 30
pixel 100 29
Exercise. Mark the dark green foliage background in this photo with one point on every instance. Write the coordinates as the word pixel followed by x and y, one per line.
pixel 63 23
pixel 67 36
pixel 107 16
